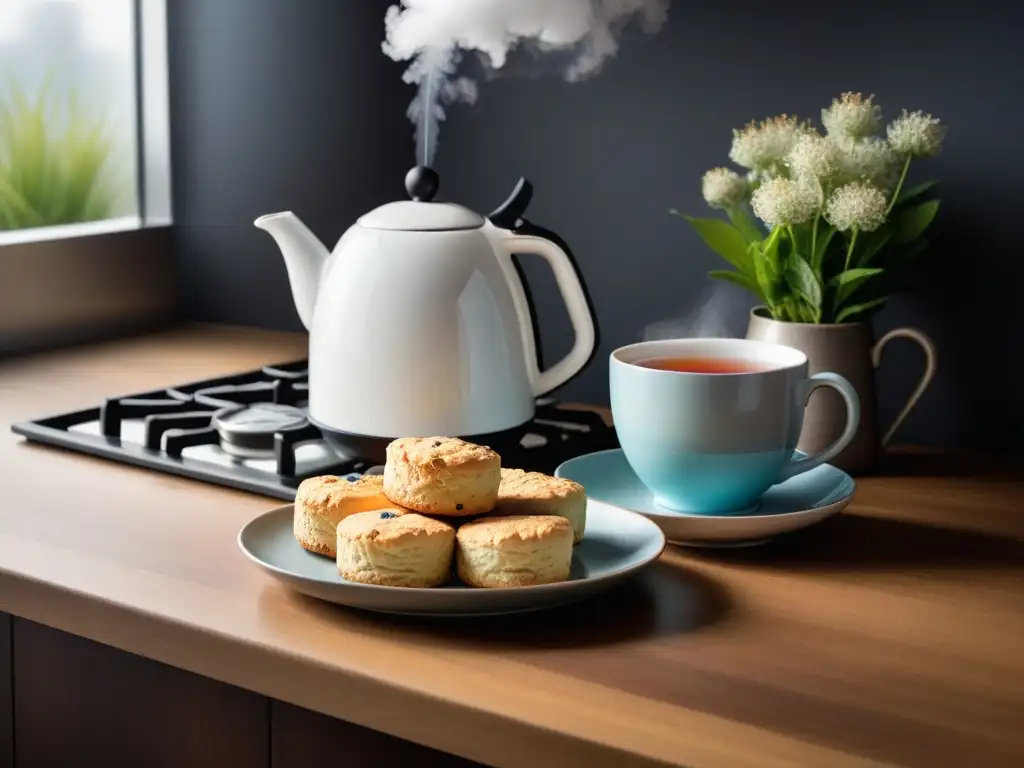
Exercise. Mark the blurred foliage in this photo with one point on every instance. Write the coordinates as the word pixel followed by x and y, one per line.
pixel 54 162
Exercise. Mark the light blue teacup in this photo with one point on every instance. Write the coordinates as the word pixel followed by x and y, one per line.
pixel 713 443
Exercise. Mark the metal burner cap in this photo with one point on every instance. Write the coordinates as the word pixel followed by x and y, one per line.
pixel 252 427
pixel 247 431
pixel 258 419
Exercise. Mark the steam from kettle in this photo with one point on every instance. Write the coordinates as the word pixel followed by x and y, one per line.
pixel 433 35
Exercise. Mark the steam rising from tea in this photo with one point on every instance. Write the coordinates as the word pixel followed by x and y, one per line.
pixel 720 312
pixel 434 34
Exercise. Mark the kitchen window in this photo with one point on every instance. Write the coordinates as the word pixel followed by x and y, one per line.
pixel 85 188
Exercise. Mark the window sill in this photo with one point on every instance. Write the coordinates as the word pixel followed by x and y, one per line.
pixel 84 282
pixel 69 231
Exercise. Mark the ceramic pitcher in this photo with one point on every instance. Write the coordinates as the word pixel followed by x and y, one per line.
pixel 849 349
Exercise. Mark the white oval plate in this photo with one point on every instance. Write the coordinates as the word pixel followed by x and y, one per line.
pixel 616 544
pixel 797 503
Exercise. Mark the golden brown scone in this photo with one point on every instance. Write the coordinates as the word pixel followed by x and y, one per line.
pixel 518 551
pixel 442 476
pixel 323 502
pixel 533 493
pixel 393 549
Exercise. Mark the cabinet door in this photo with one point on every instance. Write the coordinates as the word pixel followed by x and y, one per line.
pixel 6 695
pixel 301 738
pixel 77 702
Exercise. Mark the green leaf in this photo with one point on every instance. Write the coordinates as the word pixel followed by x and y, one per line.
pixel 783 311
pixel 793 310
pixel 770 251
pixel 800 276
pixel 857 309
pixel 765 279
pixel 873 243
pixel 911 223
pixel 909 194
pixel 745 224
pixel 847 282
pixel 825 235
pixel 765 257
pixel 724 239
pixel 809 314
pixel 739 279
pixel 855 276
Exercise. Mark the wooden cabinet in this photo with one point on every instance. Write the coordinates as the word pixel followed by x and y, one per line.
pixel 301 738
pixel 66 701
pixel 6 694
pixel 77 702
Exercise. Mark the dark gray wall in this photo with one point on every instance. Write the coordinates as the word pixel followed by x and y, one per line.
pixel 292 105
pixel 276 105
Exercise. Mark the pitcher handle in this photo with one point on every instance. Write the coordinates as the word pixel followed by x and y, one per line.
pixel 576 303
pixel 833 380
pixel 929 371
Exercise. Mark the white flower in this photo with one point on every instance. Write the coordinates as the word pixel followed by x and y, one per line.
pixel 857 206
pixel 814 157
pixel 916 133
pixel 869 160
pixel 852 116
pixel 762 146
pixel 723 188
pixel 782 201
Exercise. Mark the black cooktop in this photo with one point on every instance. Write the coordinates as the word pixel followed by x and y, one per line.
pixel 248 431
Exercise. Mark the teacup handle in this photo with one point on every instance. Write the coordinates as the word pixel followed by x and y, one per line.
pixel 796 466
pixel 926 378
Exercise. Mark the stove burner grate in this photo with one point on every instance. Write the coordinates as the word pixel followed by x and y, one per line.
pixel 251 431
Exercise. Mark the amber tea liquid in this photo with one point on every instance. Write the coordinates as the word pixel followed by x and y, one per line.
pixel 703 365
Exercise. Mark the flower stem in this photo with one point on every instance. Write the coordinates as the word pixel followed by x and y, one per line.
pixel 899 186
pixel 771 270
pixel 770 242
pixel 849 250
pixel 814 244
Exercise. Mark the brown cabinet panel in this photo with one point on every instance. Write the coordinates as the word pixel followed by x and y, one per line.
pixel 6 695
pixel 77 702
pixel 301 738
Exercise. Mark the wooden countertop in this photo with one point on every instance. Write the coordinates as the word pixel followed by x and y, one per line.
pixel 891 634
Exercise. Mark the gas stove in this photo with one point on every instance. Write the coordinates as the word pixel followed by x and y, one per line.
pixel 250 431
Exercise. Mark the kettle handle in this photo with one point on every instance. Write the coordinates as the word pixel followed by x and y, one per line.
pixel 575 301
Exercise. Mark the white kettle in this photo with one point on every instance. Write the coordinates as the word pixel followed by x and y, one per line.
pixel 419 324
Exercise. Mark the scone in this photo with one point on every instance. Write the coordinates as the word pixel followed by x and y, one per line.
pixel 518 551
pixel 323 502
pixel 533 493
pixel 393 549
pixel 442 476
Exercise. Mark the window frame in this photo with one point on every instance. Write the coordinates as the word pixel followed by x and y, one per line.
pixel 78 282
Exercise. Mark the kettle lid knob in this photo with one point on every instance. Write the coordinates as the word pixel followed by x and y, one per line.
pixel 422 183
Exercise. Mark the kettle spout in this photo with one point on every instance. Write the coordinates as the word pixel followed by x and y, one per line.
pixel 304 258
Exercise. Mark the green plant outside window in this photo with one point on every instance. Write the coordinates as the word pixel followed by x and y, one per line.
pixel 56 162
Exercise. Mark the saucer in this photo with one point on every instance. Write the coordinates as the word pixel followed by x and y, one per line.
pixel 797 503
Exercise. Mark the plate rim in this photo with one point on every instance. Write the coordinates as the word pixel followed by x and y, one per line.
pixel 718 518
pixel 533 589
